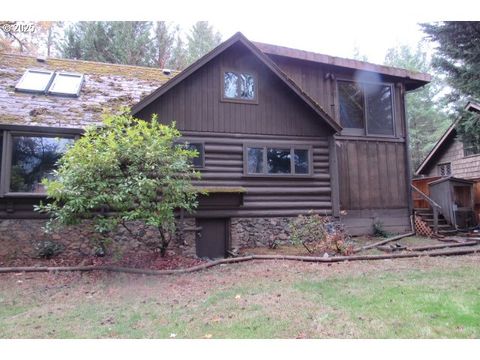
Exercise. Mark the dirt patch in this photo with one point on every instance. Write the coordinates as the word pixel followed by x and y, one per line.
pixel 132 259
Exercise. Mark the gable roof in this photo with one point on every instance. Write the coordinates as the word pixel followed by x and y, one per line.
pixel 239 38
pixel 106 87
pixel 413 79
pixel 449 134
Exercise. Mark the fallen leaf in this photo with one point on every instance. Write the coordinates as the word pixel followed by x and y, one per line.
pixel 237 296
pixel 172 335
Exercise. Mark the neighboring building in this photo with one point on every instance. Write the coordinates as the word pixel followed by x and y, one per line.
pixel 451 157
pixel 281 132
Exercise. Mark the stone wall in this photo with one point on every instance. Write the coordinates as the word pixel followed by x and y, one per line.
pixel 252 232
pixel 19 238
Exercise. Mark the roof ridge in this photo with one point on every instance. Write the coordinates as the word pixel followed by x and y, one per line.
pixel 90 62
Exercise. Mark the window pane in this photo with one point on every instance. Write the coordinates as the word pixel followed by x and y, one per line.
pixel 230 85
pixel 34 80
pixel 254 160
pixel 379 109
pixel 351 105
pixel 197 161
pixel 278 161
pixel 247 87
pixel 34 158
pixel 66 84
pixel 301 161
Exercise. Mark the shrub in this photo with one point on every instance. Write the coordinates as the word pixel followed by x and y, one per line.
pixel 319 234
pixel 379 231
pixel 47 249
pixel 126 170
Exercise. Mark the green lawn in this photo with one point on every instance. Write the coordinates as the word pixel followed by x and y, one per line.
pixel 411 298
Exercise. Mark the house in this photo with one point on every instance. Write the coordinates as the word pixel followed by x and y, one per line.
pixel 280 132
pixel 452 161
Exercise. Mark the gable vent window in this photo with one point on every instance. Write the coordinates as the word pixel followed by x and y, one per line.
pixel 366 108
pixel 445 169
pixel 35 81
pixel 239 86
pixel 50 82
pixel 66 84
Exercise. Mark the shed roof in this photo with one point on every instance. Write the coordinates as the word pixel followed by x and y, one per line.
pixel 106 87
pixel 412 79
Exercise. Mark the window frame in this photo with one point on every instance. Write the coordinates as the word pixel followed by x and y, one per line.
pixel 65 73
pixel 31 91
pixel 447 165
pixel 224 70
pixel 6 161
pixel 265 172
pixel 364 131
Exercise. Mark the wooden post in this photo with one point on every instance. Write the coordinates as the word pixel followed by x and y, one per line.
pixel 435 219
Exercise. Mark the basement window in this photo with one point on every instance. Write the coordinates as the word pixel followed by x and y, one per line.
pixel 239 86
pixel 35 81
pixel 68 84
pixel 366 108
pixel 277 161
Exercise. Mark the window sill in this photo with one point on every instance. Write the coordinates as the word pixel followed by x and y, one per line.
pixel 277 176
pixel 370 138
pixel 239 101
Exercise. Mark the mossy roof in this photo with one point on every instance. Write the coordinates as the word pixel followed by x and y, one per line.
pixel 107 87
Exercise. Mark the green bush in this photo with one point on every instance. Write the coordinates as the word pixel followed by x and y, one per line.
pixel 47 249
pixel 125 170
pixel 379 231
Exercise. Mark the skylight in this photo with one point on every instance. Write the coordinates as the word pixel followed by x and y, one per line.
pixel 66 84
pixel 35 81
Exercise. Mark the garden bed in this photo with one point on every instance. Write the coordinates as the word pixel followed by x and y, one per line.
pixel 136 260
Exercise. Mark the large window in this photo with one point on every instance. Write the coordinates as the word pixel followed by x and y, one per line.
pixel 239 86
pixel 365 108
pixel 471 147
pixel 30 157
pixel 277 160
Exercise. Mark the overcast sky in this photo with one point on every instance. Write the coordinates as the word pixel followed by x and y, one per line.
pixel 333 27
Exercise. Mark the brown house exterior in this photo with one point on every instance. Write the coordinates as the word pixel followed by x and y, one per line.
pixel 283 132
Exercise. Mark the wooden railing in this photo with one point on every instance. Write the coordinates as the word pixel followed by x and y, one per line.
pixel 435 207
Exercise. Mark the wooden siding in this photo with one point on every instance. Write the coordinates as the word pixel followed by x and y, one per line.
pixel 422 184
pixel 463 167
pixel 195 103
pixel 269 195
pixel 372 174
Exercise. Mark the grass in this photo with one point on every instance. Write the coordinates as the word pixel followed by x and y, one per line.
pixel 411 298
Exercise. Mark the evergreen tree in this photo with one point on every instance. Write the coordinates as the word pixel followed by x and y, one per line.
pixel 201 40
pixel 458 57
pixel 425 118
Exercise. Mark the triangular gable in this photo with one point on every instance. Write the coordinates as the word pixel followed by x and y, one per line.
pixel 448 134
pixel 238 37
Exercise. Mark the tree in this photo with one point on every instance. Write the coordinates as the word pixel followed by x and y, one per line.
pixel 126 170
pixel 425 117
pixel 201 40
pixel 457 55
pixel 118 42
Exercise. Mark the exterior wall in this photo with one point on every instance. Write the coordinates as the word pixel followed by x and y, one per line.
pixel 360 222
pixel 19 237
pixel 265 195
pixel 195 104
pixel 463 167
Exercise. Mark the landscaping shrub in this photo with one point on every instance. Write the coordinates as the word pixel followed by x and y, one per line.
pixel 47 249
pixel 379 231
pixel 319 234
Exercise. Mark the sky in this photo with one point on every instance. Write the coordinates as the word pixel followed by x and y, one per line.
pixel 333 27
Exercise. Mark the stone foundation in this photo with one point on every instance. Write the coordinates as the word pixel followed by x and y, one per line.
pixel 252 232
pixel 19 238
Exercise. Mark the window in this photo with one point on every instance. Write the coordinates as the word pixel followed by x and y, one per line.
pixel 35 81
pixel 366 108
pixel 29 157
pixel 197 161
pixel 66 84
pixel 44 81
pixel 239 86
pixel 445 169
pixel 471 147
pixel 281 160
